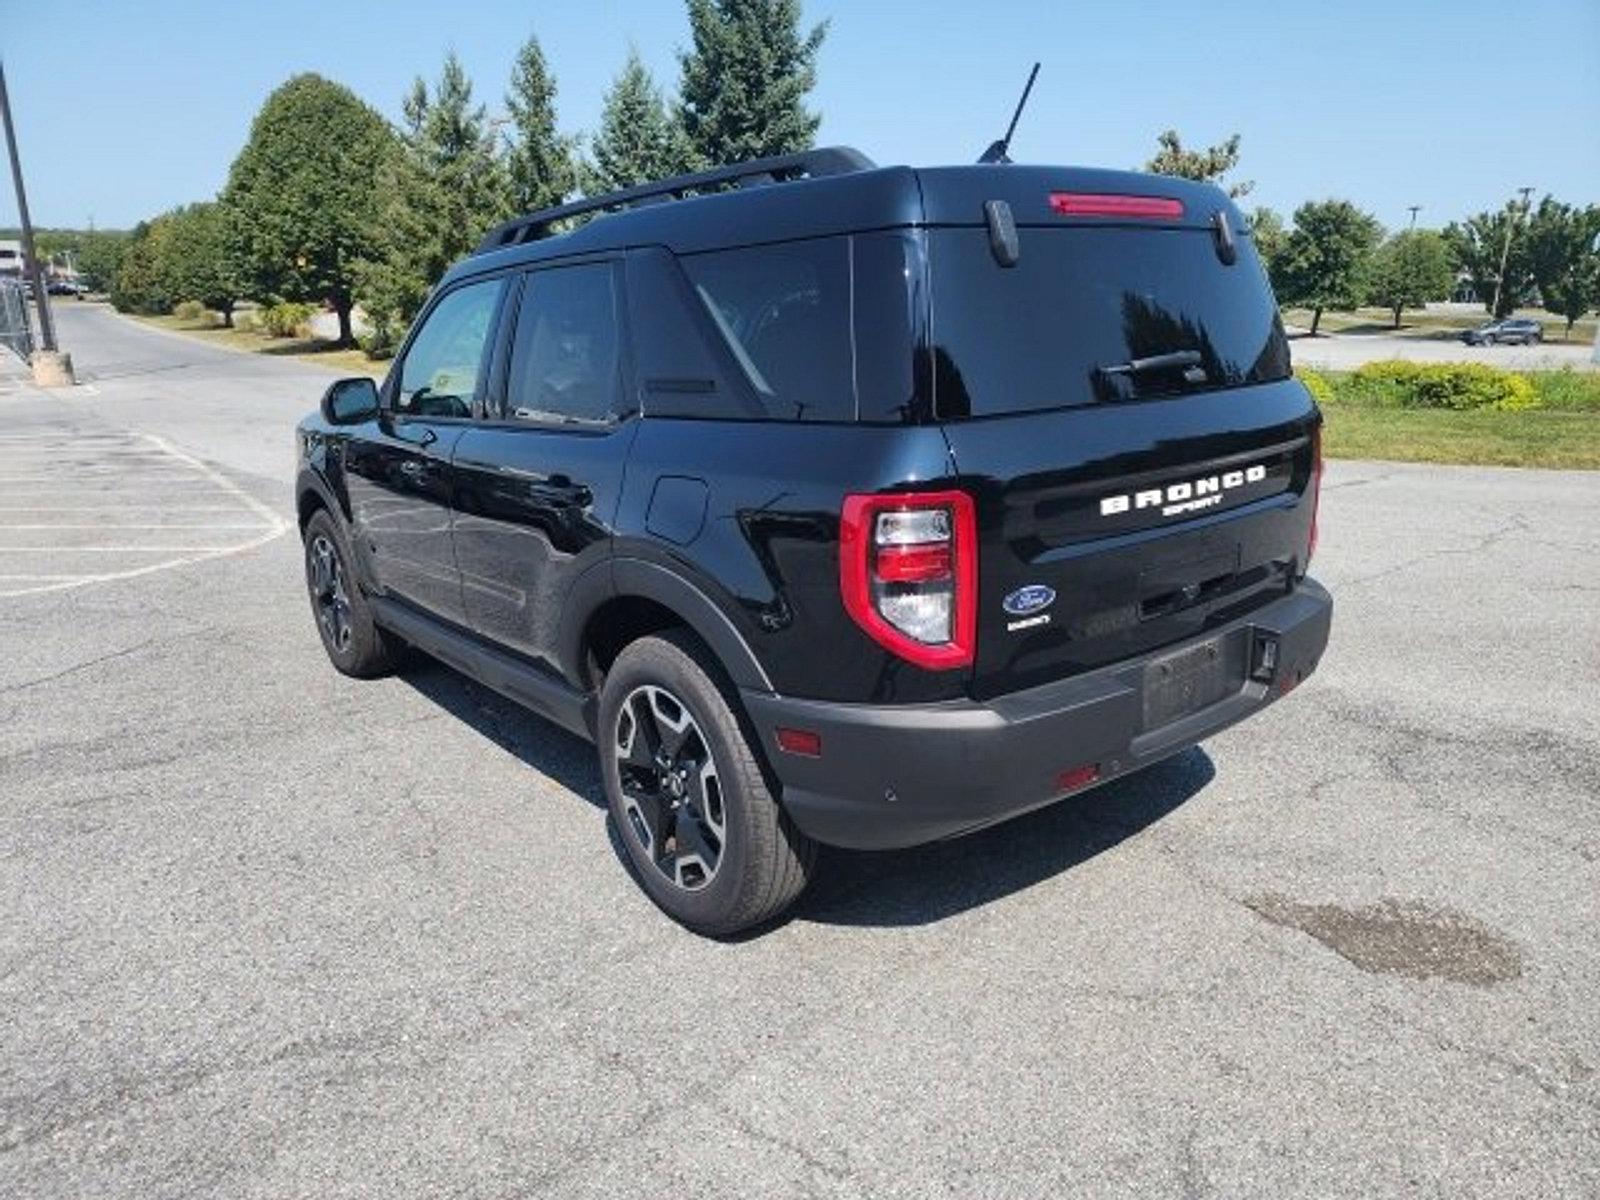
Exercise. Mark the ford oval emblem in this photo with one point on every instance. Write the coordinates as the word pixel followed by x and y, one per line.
pixel 1029 599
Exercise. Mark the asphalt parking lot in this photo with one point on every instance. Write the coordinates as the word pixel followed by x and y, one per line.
pixel 269 932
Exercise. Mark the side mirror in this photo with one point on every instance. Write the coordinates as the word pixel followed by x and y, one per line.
pixel 350 401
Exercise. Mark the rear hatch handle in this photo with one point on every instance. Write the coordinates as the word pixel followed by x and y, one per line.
pixel 1189 360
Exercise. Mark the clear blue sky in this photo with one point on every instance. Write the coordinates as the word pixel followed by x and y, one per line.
pixel 124 109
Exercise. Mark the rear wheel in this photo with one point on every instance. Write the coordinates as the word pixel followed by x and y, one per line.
pixel 702 829
pixel 355 644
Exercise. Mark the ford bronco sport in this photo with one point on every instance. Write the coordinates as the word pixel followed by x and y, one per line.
pixel 834 503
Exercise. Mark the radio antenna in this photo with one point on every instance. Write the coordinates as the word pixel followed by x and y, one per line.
pixel 998 152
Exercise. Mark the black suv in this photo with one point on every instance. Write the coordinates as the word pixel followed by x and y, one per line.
pixel 835 503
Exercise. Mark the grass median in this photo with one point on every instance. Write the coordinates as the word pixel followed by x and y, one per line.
pixel 1561 431
pixel 329 355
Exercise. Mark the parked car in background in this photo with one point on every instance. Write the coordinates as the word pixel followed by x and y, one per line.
pixel 1513 331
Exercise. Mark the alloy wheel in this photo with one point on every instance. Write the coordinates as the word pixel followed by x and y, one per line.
pixel 329 592
pixel 670 789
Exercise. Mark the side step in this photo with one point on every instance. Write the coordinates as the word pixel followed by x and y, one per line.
pixel 536 690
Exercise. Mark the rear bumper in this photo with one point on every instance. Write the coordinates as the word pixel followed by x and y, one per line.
pixel 892 776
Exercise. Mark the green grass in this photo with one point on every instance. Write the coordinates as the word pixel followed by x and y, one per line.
pixel 322 353
pixel 1420 324
pixel 1563 433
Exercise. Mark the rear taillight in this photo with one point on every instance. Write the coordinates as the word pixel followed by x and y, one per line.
pixel 1105 204
pixel 908 571
pixel 1316 489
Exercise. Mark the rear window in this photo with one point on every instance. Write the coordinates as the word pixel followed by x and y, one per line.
pixel 1068 324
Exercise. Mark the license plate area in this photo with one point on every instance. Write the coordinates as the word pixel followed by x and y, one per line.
pixel 1184 682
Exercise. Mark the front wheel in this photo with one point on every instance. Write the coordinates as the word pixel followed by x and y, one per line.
pixel 704 833
pixel 355 644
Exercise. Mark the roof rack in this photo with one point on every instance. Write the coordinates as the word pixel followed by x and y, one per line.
pixel 808 164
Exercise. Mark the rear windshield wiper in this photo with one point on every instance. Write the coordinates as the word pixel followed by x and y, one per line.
pixel 1157 362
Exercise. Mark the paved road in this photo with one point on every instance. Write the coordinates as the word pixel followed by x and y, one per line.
pixel 1346 351
pixel 268 932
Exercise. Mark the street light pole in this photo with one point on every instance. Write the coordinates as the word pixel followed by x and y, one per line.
pixel 1505 252
pixel 41 298
pixel 1414 209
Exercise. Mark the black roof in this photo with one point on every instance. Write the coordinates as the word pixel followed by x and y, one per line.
pixel 832 191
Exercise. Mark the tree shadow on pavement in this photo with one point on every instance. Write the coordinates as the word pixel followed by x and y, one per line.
pixel 882 888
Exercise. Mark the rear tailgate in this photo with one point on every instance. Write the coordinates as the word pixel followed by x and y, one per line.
pixel 1118 401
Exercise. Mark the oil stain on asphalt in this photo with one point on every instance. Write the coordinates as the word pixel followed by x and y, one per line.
pixel 1394 937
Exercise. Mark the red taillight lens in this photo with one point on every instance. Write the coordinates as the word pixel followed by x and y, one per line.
pixel 1102 204
pixel 908 573
pixel 1316 489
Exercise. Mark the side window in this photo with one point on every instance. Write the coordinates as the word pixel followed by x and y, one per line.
pixel 565 361
pixel 784 311
pixel 445 360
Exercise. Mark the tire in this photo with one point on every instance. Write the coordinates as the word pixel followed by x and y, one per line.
pixel 667 712
pixel 355 644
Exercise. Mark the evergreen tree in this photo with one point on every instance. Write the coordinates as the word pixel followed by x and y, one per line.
pixel 541 164
pixel 441 193
pixel 745 80
pixel 638 140
pixel 305 192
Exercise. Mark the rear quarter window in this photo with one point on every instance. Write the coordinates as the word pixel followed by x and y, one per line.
pixel 1081 302
pixel 784 312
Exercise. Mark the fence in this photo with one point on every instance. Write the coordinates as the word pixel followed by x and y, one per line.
pixel 16 330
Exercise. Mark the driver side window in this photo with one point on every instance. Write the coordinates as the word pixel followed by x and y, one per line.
pixel 440 374
pixel 565 364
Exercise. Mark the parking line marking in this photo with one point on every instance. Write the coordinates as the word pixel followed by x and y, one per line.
pixel 103 527
pixel 271 524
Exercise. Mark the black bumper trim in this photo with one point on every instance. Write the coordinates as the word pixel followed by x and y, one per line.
pixel 893 776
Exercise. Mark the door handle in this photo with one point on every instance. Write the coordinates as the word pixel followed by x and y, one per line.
pixel 428 438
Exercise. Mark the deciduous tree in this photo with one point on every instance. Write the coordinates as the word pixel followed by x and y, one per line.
pixel 1409 270
pixel 745 80
pixel 1207 166
pixel 1326 257
pixel 1564 257
pixel 305 191
pixel 203 261
pixel 1481 243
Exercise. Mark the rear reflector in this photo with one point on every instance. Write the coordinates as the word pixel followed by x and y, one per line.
pixel 1104 204
pixel 800 741
pixel 1076 777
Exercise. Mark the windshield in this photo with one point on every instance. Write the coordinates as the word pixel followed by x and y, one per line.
pixel 1096 314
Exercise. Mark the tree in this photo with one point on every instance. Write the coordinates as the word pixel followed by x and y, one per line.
pixel 1207 166
pixel 305 192
pixel 1563 249
pixel 745 80
pixel 98 256
pixel 1326 256
pixel 638 140
pixel 541 164
pixel 202 260
pixel 440 193
pixel 1266 227
pixel 1478 245
pixel 1410 269
pixel 141 283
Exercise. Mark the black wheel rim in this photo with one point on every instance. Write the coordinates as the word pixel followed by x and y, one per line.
pixel 329 595
pixel 671 792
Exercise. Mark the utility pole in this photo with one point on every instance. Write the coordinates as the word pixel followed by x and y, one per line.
pixel 1414 209
pixel 1505 252
pixel 50 367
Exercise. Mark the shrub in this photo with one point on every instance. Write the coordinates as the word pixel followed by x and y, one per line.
pixel 192 311
pixel 1568 390
pixel 285 320
pixel 1459 386
pixel 247 319
pixel 1321 390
